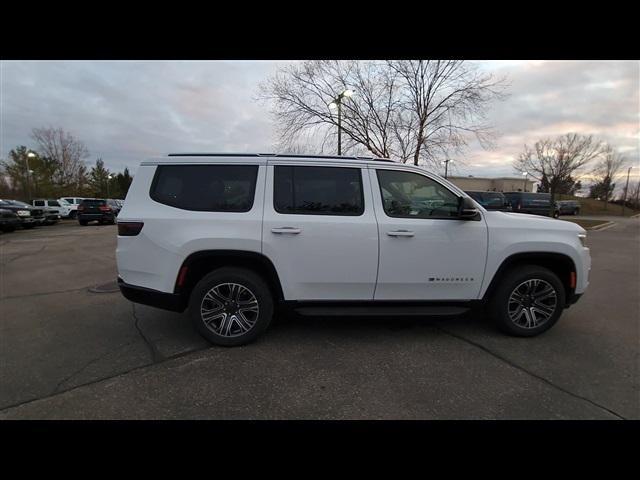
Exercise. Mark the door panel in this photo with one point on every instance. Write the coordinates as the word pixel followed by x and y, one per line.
pixel 322 254
pixel 425 253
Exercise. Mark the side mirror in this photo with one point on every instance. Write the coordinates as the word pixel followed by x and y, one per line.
pixel 467 210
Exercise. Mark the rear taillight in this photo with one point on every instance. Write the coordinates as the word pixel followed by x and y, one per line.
pixel 129 229
pixel 181 276
pixel 104 208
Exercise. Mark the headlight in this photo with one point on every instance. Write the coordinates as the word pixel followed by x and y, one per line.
pixel 583 239
pixel 24 213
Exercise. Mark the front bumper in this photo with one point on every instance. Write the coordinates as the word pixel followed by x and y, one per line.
pixel 153 298
pixel 10 222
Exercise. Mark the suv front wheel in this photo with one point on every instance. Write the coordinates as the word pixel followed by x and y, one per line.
pixel 231 306
pixel 528 301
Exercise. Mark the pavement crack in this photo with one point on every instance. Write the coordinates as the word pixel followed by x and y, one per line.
pixel 156 356
pixel 87 365
pixel 4 264
pixel 528 372
pixel 43 293
pixel 138 368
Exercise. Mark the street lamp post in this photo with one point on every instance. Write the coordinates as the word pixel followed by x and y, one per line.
pixel 337 103
pixel 524 185
pixel 626 188
pixel 29 155
pixel 446 166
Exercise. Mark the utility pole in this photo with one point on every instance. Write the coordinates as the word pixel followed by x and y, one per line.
pixel 337 103
pixel 26 159
pixel 626 187
pixel 446 166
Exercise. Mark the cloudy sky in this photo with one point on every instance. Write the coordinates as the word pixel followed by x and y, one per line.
pixel 126 111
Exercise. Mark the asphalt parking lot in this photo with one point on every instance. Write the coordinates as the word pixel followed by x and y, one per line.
pixel 71 347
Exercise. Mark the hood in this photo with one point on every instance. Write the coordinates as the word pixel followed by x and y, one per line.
pixel 525 220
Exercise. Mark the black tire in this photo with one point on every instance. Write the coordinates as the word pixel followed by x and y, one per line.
pixel 83 222
pixel 8 229
pixel 499 303
pixel 73 214
pixel 28 226
pixel 256 287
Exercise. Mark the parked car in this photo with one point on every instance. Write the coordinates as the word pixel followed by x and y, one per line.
pixel 529 202
pixel 95 209
pixel 115 206
pixel 230 237
pixel 568 207
pixel 490 200
pixel 29 216
pixel 53 210
pixel 9 220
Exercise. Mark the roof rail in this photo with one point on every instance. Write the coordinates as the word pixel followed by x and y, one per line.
pixel 279 155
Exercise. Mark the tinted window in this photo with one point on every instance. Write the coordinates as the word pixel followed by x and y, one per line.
pixel 53 203
pixel 93 203
pixel 410 195
pixel 318 190
pixel 39 203
pixel 206 188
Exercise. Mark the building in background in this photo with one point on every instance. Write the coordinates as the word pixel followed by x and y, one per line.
pixel 501 184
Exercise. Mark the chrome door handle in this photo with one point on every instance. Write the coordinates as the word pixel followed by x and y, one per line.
pixel 291 230
pixel 400 233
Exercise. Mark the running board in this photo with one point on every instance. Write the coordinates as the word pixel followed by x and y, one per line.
pixel 368 311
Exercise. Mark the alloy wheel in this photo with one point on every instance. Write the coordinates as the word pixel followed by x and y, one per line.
pixel 532 303
pixel 229 309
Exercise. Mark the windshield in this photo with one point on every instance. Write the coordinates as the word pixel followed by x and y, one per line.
pixel 18 203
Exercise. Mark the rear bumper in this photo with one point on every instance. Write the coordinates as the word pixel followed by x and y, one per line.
pixel 153 298
pixel 95 216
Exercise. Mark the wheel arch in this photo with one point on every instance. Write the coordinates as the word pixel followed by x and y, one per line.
pixel 560 264
pixel 200 263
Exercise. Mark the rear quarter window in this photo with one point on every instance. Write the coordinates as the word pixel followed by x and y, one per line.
pixel 205 188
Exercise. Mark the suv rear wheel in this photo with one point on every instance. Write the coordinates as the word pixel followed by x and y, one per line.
pixel 528 301
pixel 231 306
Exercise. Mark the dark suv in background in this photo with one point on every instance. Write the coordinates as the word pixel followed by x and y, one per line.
pixel 528 202
pixel 29 217
pixel 9 220
pixel 490 200
pixel 96 209
pixel 568 207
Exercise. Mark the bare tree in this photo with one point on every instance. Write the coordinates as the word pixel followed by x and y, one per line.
pixel 443 102
pixel 605 172
pixel 557 159
pixel 66 151
pixel 411 110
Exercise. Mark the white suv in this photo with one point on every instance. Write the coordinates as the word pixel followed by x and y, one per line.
pixel 230 236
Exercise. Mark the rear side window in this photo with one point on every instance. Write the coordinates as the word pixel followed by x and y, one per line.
pixel 39 203
pixel 318 191
pixel 205 188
